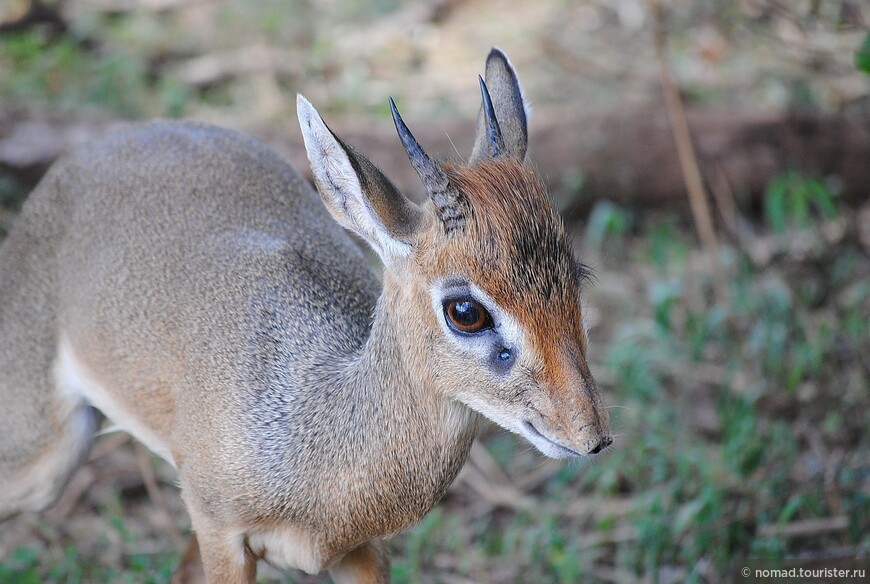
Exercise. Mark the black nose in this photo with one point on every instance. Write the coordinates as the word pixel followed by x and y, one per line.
pixel 605 442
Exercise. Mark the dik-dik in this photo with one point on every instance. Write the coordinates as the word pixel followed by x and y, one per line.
pixel 183 280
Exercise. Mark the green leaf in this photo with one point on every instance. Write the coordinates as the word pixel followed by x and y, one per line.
pixel 822 198
pixel 775 205
pixel 790 509
pixel 687 514
pixel 607 220
pixel 862 55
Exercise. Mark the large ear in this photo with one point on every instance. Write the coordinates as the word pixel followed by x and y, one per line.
pixel 355 192
pixel 510 111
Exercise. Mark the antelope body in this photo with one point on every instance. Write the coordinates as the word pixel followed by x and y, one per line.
pixel 183 280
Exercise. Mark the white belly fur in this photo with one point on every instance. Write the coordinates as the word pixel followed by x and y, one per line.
pixel 285 548
pixel 74 379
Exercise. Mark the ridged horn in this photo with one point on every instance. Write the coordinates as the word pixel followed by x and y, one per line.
pixel 446 200
pixel 495 142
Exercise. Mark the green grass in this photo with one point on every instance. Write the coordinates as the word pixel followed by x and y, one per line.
pixel 26 566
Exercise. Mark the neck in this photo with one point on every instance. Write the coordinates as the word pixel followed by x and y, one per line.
pixel 393 371
pixel 369 433
pixel 413 438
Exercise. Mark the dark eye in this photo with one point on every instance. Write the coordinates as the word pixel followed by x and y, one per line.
pixel 467 315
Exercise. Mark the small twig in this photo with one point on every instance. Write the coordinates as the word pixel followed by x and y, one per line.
pixel 480 456
pixel 108 445
pixel 440 10
pixel 579 65
pixel 723 194
pixel 535 478
pixel 150 479
pixel 454 579
pixel 685 151
pixel 596 507
pixel 120 7
pixel 806 527
pixel 497 495
pixel 832 471
pixel 610 574
pixel 213 68
pixel 618 535
pixel 72 494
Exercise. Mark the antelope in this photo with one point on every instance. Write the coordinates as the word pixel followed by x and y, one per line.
pixel 187 284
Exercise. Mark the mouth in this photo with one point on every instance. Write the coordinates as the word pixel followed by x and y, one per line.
pixel 536 434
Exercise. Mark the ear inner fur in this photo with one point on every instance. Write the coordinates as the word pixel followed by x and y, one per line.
pixel 510 108
pixel 397 214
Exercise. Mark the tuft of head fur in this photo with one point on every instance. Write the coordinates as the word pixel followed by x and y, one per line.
pixel 514 245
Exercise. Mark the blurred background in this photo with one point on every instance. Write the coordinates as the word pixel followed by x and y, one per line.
pixel 730 335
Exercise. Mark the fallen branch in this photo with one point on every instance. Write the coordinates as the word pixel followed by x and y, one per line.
pixel 627 156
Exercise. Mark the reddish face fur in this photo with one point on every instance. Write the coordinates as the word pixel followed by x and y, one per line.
pixel 514 246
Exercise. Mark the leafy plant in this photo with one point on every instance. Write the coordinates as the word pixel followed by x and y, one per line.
pixel 607 221
pixel 665 244
pixel 862 55
pixel 791 198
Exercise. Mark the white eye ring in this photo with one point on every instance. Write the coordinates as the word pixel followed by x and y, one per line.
pixel 457 288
